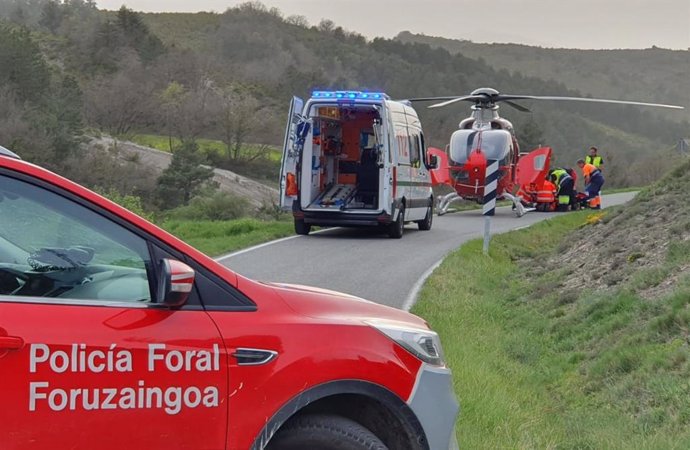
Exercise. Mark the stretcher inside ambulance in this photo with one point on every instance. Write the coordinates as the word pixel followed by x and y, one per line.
pixel 342 158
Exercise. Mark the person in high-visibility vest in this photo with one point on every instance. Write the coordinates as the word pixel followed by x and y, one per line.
pixel 594 158
pixel 594 180
pixel 566 188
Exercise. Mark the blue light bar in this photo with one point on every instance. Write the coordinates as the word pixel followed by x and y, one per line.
pixel 350 95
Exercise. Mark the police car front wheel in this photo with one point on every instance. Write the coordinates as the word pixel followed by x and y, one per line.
pixel 324 432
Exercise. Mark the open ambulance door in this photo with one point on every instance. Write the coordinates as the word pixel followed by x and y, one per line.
pixel 291 154
pixel 533 168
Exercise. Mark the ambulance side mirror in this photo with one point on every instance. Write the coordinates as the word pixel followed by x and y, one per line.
pixel 176 280
pixel 433 162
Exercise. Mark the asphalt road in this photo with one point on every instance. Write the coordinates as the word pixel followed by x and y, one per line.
pixel 368 264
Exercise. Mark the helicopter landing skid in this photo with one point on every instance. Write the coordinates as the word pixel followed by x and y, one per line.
pixel 518 207
pixel 445 201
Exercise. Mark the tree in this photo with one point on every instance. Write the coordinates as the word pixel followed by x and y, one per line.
pixel 138 35
pixel 22 65
pixel 63 121
pixel 122 103
pixel 239 119
pixel 530 135
pixel 189 113
pixel 51 16
pixel 171 100
pixel 184 178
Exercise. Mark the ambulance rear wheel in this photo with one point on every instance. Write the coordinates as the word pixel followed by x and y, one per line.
pixel 396 229
pixel 324 432
pixel 301 227
pixel 425 225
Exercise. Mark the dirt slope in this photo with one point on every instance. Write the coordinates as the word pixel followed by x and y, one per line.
pixel 256 193
pixel 644 246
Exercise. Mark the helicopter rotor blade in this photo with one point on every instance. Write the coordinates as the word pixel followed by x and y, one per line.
pixel 466 98
pixel 431 99
pixel 585 99
pixel 517 106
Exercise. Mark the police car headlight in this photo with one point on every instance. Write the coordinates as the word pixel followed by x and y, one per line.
pixel 422 343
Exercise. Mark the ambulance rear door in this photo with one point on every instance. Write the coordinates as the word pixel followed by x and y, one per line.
pixel 291 153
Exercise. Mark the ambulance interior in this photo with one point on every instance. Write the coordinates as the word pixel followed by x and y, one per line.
pixel 342 158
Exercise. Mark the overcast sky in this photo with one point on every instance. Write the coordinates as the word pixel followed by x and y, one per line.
pixel 549 23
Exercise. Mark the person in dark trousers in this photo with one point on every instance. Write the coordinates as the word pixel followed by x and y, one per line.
pixel 566 188
pixel 594 159
pixel 594 180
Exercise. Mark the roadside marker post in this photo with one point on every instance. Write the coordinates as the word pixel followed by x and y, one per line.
pixel 489 209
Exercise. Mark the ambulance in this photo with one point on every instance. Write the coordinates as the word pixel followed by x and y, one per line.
pixel 353 158
pixel 116 335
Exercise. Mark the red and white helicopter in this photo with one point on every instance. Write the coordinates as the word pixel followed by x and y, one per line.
pixel 487 136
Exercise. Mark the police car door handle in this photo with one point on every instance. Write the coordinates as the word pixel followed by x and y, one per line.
pixel 11 343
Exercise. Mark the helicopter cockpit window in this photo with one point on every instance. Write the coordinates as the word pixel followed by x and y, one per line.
pixel 494 144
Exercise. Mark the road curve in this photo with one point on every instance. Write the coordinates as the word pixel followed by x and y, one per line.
pixel 368 264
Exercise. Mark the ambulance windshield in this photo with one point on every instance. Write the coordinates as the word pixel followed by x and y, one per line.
pixel 494 144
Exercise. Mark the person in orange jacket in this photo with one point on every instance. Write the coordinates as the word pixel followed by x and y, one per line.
pixel 594 180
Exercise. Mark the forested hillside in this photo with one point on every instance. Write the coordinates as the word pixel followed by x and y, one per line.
pixel 69 70
pixel 653 74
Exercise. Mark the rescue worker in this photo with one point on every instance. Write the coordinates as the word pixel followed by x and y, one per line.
pixel 594 180
pixel 546 196
pixel 566 188
pixel 594 158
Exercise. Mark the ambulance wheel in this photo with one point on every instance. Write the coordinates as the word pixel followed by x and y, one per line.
pixel 324 432
pixel 396 229
pixel 301 227
pixel 425 225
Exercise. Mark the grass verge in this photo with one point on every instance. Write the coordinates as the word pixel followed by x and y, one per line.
pixel 538 368
pixel 207 146
pixel 216 238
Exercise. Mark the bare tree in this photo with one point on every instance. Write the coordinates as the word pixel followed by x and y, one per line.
pixel 240 111
pixel 189 113
pixel 122 103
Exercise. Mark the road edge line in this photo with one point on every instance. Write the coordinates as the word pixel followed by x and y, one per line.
pixel 417 287
pixel 264 244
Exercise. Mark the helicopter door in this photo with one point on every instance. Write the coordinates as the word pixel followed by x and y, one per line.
pixel 291 153
pixel 533 167
pixel 441 174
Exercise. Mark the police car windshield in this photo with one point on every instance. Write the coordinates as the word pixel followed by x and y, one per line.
pixel 495 144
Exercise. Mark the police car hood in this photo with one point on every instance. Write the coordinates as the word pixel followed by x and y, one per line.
pixel 316 302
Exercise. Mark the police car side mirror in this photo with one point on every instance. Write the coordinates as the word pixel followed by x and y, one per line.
pixel 176 280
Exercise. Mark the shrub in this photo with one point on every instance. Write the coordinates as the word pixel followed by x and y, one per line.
pixel 131 202
pixel 219 206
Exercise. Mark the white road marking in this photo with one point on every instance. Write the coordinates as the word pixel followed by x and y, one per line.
pixel 414 292
pixel 265 244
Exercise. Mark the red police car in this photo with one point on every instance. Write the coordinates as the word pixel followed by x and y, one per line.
pixel 116 335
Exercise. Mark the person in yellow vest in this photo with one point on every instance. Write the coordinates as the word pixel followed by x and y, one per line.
pixel 566 188
pixel 594 159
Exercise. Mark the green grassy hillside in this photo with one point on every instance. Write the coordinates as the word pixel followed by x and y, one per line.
pixel 573 333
